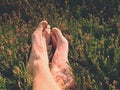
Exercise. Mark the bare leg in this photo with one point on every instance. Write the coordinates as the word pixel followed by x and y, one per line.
pixel 59 67
pixel 38 62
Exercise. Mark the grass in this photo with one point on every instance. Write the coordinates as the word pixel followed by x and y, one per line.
pixel 94 44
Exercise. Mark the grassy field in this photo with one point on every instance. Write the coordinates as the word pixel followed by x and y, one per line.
pixel 93 32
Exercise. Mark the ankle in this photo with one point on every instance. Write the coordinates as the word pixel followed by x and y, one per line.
pixel 39 67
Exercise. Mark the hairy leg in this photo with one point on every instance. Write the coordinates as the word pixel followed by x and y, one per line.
pixel 60 68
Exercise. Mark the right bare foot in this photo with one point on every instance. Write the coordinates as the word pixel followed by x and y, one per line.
pixel 59 68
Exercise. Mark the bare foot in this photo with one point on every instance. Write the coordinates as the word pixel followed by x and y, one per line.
pixel 38 62
pixel 59 68
pixel 38 56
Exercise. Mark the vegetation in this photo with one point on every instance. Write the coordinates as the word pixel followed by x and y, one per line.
pixel 92 28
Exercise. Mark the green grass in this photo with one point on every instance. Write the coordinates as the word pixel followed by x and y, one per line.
pixel 94 45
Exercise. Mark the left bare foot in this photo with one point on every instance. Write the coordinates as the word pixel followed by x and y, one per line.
pixel 38 56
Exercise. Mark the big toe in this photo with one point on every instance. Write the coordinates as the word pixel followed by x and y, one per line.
pixel 58 34
pixel 43 24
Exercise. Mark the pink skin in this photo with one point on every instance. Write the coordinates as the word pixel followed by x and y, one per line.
pixel 38 62
pixel 43 78
pixel 59 67
pixel 39 48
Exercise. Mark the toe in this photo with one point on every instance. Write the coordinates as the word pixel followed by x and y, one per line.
pixel 59 36
pixel 46 34
pixel 43 24
pixel 57 33
pixel 47 30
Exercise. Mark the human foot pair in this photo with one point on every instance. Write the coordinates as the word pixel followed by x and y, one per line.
pixel 59 68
